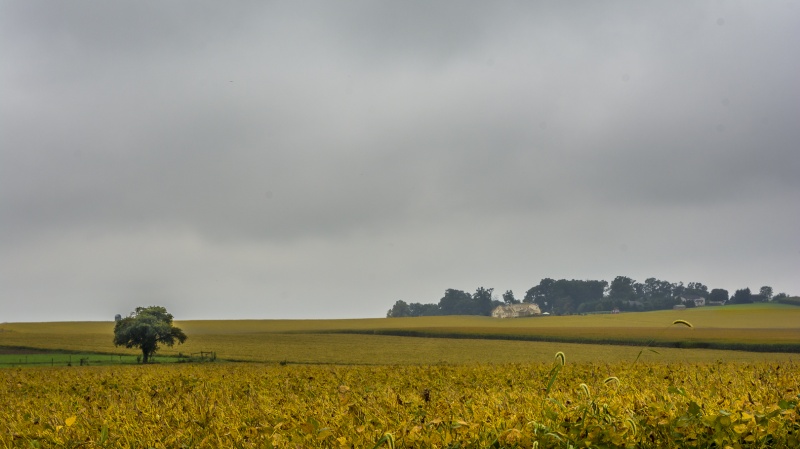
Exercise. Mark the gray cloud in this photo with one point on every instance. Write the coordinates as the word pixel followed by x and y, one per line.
pixel 383 151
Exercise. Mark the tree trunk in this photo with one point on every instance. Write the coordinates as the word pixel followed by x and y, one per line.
pixel 145 356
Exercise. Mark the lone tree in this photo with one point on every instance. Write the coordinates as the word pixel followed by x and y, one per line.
pixel 146 328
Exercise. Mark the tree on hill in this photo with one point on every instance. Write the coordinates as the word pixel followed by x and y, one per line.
pixel 508 298
pixel 419 309
pixel 696 288
pixel 622 288
pixel 565 296
pixel 457 302
pixel 654 288
pixel 400 309
pixel 718 295
pixel 146 328
pixel 742 296
pixel 483 300
pixel 403 309
pixel 541 294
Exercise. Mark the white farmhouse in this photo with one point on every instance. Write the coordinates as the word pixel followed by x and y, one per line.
pixel 516 310
pixel 698 300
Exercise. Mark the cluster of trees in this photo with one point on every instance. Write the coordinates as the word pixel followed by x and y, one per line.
pixel 745 296
pixel 454 302
pixel 564 297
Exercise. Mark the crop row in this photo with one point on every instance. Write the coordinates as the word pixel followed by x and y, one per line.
pixel 512 405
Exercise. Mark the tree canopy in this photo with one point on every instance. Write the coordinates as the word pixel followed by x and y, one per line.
pixel 718 295
pixel 146 328
pixel 508 298
pixel 742 296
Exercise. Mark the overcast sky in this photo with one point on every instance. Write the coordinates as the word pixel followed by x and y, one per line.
pixel 326 159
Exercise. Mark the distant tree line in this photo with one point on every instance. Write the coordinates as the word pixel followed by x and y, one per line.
pixel 566 297
pixel 454 302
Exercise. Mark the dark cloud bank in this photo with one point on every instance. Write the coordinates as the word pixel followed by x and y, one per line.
pixel 327 159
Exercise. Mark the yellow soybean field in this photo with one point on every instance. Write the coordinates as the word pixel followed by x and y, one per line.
pixel 723 404
pixel 378 383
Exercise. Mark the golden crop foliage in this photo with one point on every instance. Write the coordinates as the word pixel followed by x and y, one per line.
pixel 432 406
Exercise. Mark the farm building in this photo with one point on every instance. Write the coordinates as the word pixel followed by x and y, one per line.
pixel 516 310
pixel 698 300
